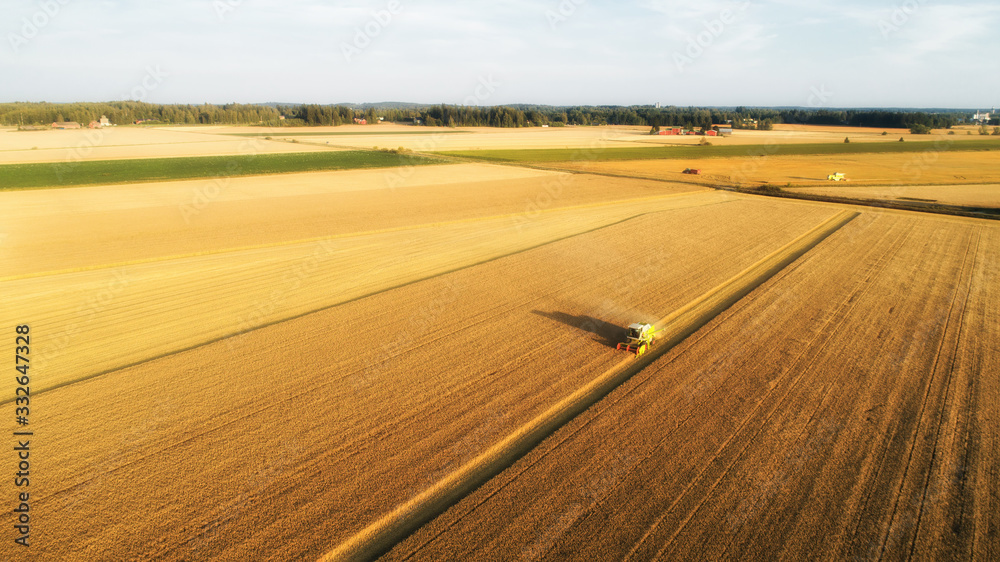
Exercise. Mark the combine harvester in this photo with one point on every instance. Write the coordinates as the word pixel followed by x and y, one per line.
pixel 837 176
pixel 638 338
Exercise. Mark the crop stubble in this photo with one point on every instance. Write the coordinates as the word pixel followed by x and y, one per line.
pixel 327 421
pixel 847 408
pixel 123 223
pixel 144 310
pixel 931 166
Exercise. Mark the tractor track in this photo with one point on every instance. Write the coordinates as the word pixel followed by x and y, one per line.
pixel 966 270
pixel 945 402
pixel 824 332
pixel 382 535
pixel 606 403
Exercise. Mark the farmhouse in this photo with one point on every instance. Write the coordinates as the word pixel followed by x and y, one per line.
pixel 66 125
pixel 104 122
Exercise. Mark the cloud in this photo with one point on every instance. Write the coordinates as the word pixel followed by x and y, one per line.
pixel 959 34
pixel 435 51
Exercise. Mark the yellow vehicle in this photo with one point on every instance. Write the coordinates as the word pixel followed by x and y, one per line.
pixel 838 176
pixel 638 338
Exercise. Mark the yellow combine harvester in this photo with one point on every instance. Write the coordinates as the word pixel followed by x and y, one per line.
pixel 838 176
pixel 638 338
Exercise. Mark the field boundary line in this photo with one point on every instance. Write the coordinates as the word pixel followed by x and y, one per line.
pixel 383 534
pixel 341 236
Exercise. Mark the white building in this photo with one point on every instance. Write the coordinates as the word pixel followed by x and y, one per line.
pixel 981 117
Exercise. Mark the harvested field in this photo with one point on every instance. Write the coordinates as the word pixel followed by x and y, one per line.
pixel 383 534
pixel 131 142
pixel 845 409
pixel 469 138
pixel 175 302
pixel 571 137
pixel 134 222
pixel 127 142
pixel 387 417
pixel 763 164
pixel 925 153
pixel 421 361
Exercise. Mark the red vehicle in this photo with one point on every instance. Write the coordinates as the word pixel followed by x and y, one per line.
pixel 692 171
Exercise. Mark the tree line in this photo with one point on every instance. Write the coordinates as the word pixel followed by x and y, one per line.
pixel 124 112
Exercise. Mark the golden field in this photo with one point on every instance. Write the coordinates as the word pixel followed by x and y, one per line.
pixel 921 168
pixel 420 363
pixel 116 143
pixel 985 195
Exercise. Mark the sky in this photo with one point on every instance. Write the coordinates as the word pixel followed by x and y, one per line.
pixel 821 53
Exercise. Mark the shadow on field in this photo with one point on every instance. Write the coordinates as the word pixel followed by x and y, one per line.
pixel 607 334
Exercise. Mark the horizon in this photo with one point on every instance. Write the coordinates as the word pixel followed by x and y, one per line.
pixel 828 55
pixel 366 104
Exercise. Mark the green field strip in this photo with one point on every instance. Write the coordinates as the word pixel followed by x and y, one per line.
pixel 598 154
pixel 105 172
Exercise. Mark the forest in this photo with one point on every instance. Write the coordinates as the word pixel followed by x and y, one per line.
pixel 129 112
